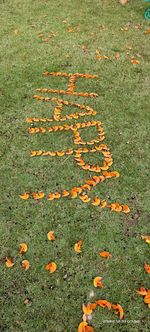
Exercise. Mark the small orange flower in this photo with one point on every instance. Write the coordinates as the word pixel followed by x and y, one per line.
pixel 118 310
pixel 24 196
pixel 38 195
pixel 104 303
pixel 51 267
pixel 135 62
pixel 97 282
pixel 25 264
pixel 9 263
pixel 147 268
pixel 87 310
pixel 84 327
pixel 51 236
pixel 146 238
pixel 23 248
pixel 96 201
pixel 125 209
pixel 142 291
pixel 105 254
pixel 78 245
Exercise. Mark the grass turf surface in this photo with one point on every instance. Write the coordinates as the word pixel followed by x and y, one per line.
pixel 55 300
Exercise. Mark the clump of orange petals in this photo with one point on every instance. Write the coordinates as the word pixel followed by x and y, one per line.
pixel 51 236
pixel 78 246
pixel 147 268
pixel 105 254
pixel 9 263
pixel 88 310
pixel 146 294
pixel 23 248
pixel 25 264
pixel 97 282
pixel 51 267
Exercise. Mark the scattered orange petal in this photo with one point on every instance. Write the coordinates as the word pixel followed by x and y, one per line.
pixel 81 327
pixel 51 236
pixel 23 248
pixel 135 62
pixel 96 201
pixel 51 267
pixel 118 310
pixel 147 268
pixel 25 264
pixel 38 195
pixel 97 282
pixel 104 303
pixel 125 209
pixel 24 196
pixel 87 310
pixel 142 291
pixel 105 254
pixel 9 262
pixel 146 238
pixel 78 245
pixel 147 297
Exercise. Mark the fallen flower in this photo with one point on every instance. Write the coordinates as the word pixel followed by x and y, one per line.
pixel 23 248
pixel 24 196
pixel 146 238
pixel 147 268
pixel 118 310
pixel 51 236
pixel 9 263
pixel 78 245
pixel 97 282
pixel 51 267
pixel 105 254
pixel 25 264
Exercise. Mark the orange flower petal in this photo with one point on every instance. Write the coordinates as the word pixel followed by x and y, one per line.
pixel 24 196
pixel 146 238
pixel 97 282
pixel 9 262
pixel 78 245
pixel 25 264
pixel 125 209
pixel 87 310
pixel 81 327
pixel 51 236
pixel 142 291
pixel 147 297
pixel 104 303
pixel 23 248
pixel 105 254
pixel 96 201
pixel 65 193
pixel 51 267
pixel 147 268
pixel 118 310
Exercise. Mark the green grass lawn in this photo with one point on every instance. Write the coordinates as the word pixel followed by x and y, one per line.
pixel 54 301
